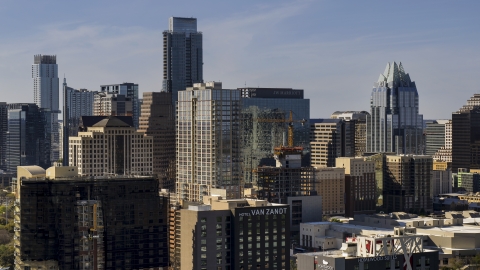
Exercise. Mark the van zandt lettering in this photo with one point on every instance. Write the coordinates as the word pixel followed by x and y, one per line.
pixel 266 212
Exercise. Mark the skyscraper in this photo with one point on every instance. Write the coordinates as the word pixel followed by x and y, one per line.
pixel 3 135
pixel 207 139
pixel 264 116
pixel 28 137
pixel 77 103
pixel 182 56
pixel 394 124
pixel 466 135
pixel 157 120
pixel 45 89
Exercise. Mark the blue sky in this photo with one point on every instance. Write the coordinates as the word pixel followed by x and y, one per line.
pixel 334 50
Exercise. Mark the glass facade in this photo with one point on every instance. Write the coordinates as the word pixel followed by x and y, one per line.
pixel 28 137
pixel 208 143
pixel 182 56
pixel 260 135
pixel 395 124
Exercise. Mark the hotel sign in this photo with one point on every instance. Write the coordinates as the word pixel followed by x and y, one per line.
pixel 265 212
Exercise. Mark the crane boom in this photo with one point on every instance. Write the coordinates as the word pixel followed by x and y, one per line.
pixel 290 122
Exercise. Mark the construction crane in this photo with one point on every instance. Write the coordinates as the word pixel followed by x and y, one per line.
pixel 290 122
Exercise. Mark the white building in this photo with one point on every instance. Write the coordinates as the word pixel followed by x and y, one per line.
pixel 207 139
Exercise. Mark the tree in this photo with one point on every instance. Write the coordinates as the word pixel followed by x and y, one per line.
pixel 475 262
pixel 6 255
pixel 456 263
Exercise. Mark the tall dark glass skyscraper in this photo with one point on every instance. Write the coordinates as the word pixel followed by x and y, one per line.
pixel 394 124
pixel 29 136
pixel 182 56
pixel 264 126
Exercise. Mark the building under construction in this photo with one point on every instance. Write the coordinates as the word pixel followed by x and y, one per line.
pixel 287 179
pixel 63 221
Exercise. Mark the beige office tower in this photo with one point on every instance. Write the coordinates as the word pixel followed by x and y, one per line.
pixel 407 185
pixel 360 185
pixel 330 184
pixel 207 139
pixel 325 141
pixel 110 146
pixel 158 121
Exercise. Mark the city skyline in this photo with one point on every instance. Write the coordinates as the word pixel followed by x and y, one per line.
pixel 265 45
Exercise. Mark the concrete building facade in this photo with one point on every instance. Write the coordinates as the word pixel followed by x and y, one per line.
pixel 111 146
pixel 330 184
pixel 360 185
pixel 407 185
pixel 325 141
pixel 157 120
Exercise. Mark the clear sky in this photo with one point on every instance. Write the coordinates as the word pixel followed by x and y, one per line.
pixel 334 50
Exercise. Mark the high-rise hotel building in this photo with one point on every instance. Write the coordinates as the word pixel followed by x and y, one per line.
pixel 207 140
pixel 394 124
pixel 182 55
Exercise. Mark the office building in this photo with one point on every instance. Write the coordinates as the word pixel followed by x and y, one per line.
pixel 76 103
pixel 407 184
pixel 435 136
pixel 466 181
pixel 28 137
pixel 354 132
pixel 360 185
pixel 265 118
pixel 46 96
pixel 123 101
pixel 182 56
pixel 63 221
pixel 441 178
pixel 445 152
pixel 466 135
pixel 330 184
pixel 109 145
pixel 3 135
pixel 207 141
pixel 326 141
pixel 157 120
pixel 233 234
pixel 394 123
pixel 287 179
